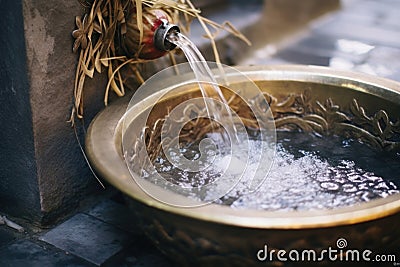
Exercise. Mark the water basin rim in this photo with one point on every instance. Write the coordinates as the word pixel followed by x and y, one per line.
pixel 374 85
pixel 226 215
pixel 315 74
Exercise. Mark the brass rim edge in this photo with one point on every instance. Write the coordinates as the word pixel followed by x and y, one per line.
pixel 363 212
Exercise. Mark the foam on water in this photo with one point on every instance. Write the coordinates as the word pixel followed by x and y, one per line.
pixel 308 173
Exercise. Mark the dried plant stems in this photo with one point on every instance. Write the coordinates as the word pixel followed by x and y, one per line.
pixel 100 31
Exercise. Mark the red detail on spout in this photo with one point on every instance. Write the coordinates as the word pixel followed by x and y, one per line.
pixel 152 20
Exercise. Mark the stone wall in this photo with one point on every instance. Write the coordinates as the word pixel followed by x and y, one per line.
pixel 19 192
pixel 43 173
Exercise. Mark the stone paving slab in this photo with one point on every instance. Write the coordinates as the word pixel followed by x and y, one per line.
pixel 5 236
pixel 354 30
pixel 371 12
pixel 382 61
pixel 363 36
pixel 115 214
pixel 88 238
pixel 302 57
pixel 389 19
pixel 23 253
pixel 327 46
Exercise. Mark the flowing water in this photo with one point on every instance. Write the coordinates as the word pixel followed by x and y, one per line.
pixel 208 85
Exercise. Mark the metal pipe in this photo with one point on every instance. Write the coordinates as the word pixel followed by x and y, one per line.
pixel 161 41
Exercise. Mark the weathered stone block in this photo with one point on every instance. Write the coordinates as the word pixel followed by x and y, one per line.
pixel 43 173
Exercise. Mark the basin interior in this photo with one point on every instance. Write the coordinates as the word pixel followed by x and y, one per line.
pixel 305 99
pixel 319 113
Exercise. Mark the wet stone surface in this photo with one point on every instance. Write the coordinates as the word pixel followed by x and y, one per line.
pixel 363 36
pixel 5 236
pixel 102 235
pixel 116 214
pixel 27 253
pixel 352 29
pixel 88 238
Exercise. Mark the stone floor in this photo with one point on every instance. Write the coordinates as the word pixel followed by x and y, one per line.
pixel 101 235
pixel 363 36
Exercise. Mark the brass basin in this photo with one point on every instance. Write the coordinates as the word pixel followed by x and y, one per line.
pixel 216 235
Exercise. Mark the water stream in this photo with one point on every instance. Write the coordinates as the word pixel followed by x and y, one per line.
pixel 218 110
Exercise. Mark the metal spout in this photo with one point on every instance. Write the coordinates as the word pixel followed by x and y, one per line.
pixel 161 41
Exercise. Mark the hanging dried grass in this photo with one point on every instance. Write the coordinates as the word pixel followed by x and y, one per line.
pixel 99 39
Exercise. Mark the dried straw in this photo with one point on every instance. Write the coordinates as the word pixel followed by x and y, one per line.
pixel 98 32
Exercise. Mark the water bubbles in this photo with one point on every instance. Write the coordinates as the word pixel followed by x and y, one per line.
pixel 304 180
pixel 355 178
pixel 381 185
pixel 231 167
pixel 349 188
pixel 346 143
pixel 330 186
